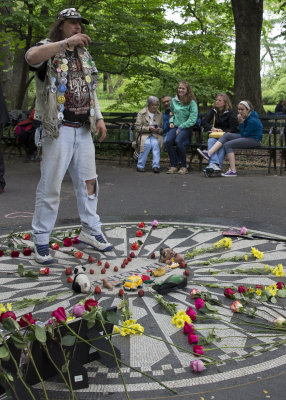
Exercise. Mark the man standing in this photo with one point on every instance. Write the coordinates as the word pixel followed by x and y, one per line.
pixel 4 118
pixel 67 106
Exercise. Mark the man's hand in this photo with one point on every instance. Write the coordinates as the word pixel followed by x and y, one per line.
pixel 80 40
pixel 100 127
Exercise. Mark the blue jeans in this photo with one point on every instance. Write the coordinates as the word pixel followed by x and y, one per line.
pixel 181 141
pixel 218 156
pixel 74 151
pixel 151 143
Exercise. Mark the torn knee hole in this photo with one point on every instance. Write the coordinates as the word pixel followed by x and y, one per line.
pixel 91 186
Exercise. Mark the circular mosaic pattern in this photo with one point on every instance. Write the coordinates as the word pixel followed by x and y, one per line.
pixel 159 359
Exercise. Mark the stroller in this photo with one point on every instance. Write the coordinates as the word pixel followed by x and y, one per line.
pixel 25 134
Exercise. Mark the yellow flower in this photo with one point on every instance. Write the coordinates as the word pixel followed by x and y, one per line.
pixel 250 290
pixel 9 306
pixel 225 242
pixel 180 313
pixel 2 308
pixel 70 319
pixel 116 329
pixel 258 292
pixel 266 267
pixel 174 319
pixel 180 323
pixel 245 257
pixel 125 332
pixel 257 254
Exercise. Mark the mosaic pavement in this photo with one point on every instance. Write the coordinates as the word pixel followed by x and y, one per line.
pixel 169 364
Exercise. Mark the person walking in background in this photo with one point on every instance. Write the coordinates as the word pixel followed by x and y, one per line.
pixel 249 136
pixel 4 118
pixel 184 114
pixel 149 131
pixel 218 120
pixel 67 106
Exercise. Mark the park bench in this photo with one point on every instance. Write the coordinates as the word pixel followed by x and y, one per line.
pixel 273 142
pixel 8 137
pixel 120 133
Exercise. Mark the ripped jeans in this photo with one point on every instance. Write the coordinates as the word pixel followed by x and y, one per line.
pixel 74 151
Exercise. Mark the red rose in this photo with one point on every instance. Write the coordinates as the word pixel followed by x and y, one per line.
pixel 198 350
pixel 280 285
pixel 141 225
pixel 27 251
pixel 134 246
pixel 241 289
pixel 78 254
pixel 15 254
pixel 7 314
pixel 55 246
pixel 26 236
pixel 26 320
pixel 67 242
pixel 259 286
pixel 139 233
pixel 59 314
pixel 45 271
pixel 229 293
pixel 90 303
pixel 236 306
pixel 1 253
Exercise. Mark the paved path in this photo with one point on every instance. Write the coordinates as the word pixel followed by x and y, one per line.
pixel 194 209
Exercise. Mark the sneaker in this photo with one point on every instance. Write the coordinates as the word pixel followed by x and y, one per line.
pixel 204 153
pixel 213 167
pixel 98 242
pixel 172 170
pixel 42 254
pixel 183 171
pixel 230 173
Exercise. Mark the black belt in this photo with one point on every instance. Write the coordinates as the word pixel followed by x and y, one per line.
pixel 73 124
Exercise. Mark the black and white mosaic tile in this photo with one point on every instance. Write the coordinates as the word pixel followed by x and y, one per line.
pixel 156 358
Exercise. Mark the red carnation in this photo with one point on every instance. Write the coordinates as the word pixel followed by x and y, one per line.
pixel 241 289
pixel 280 285
pixel 135 246
pixel 139 233
pixel 198 350
pixel 1 253
pixel 141 225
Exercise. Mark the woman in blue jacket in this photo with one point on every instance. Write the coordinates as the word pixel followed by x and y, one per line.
pixel 249 136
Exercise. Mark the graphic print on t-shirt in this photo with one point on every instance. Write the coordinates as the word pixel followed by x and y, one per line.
pixel 77 94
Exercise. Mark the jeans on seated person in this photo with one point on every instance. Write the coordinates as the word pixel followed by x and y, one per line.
pixel 180 141
pixel 151 143
pixel 218 156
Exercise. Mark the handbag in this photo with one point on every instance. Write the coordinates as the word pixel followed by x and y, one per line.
pixel 137 146
pixel 216 135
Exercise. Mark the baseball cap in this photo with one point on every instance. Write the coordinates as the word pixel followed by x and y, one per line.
pixel 71 13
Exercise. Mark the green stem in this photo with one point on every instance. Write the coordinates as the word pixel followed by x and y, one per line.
pixel 37 372
pixel 18 371
pixel 116 360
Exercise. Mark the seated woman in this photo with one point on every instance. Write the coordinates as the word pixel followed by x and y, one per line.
pixel 149 131
pixel 184 111
pixel 250 128
pixel 220 118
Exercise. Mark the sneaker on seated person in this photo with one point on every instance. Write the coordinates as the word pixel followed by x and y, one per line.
pixel 204 153
pixel 229 173
pixel 213 166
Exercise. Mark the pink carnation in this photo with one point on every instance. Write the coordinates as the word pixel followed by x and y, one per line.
pixel 199 303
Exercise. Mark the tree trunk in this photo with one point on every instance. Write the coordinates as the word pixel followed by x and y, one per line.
pixel 248 17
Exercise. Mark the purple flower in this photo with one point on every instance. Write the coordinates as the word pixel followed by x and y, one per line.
pixel 243 230
pixel 197 366
pixel 155 223
pixel 78 310
pixel 199 303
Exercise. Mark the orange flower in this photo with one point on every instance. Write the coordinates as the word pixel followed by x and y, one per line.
pixel 78 254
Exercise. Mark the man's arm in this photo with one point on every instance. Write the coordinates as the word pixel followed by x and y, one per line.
pixel 38 54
